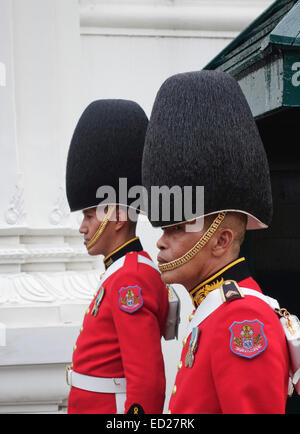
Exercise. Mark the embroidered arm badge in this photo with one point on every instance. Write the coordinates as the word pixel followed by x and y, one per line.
pixel 130 299
pixel 247 338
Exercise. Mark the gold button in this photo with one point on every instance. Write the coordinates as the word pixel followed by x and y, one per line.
pixel 191 317
pixel 75 348
pixel 179 365
pixel 87 311
pixel 81 330
pixel 174 390
pixel 184 341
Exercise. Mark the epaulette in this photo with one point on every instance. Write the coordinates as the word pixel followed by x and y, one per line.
pixel 230 290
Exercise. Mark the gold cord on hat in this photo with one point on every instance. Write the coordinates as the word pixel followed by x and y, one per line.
pixel 101 228
pixel 169 266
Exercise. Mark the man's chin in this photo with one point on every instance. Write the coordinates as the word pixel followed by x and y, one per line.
pixel 168 277
pixel 92 251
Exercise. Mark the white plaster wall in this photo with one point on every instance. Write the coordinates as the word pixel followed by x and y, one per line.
pixel 134 67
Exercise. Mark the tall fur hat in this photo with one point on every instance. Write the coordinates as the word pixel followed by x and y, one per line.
pixel 202 133
pixel 107 145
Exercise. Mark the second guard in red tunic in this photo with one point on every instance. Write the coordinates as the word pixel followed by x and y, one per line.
pixel 121 337
pixel 118 364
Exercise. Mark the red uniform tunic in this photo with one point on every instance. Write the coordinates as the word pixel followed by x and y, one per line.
pixel 223 378
pixel 117 343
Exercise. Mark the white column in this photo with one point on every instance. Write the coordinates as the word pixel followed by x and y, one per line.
pixel 12 210
pixel 47 86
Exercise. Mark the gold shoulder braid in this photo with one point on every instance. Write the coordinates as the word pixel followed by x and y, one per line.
pixel 101 227
pixel 197 247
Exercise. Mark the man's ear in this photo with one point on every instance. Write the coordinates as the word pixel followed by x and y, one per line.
pixel 121 218
pixel 222 241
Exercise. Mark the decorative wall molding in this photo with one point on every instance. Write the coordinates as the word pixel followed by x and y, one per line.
pixel 47 253
pixel 61 246
pixel 166 17
pixel 15 215
pixel 47 288
pixel 61 212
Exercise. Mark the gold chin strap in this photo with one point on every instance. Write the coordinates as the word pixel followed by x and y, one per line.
pixel 102 226
pixel 197 247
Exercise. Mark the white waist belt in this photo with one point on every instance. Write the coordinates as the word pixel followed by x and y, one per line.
pixel 96 384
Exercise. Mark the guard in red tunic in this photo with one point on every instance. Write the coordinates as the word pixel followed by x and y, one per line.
pixel 238 350
pixel 235 357
pixel 117 362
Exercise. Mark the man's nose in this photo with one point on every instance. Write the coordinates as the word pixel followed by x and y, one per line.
pixel 161 243
pixel 83 229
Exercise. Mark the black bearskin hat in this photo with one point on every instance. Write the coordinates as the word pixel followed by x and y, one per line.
pixel 107 145
pixel 202 133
